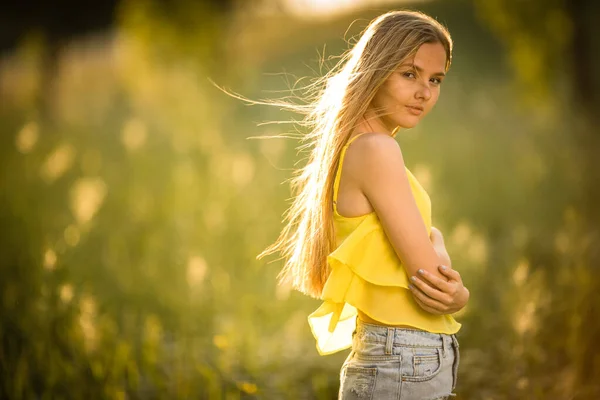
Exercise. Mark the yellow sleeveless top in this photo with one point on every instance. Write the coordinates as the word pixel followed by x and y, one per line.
pixel 366 274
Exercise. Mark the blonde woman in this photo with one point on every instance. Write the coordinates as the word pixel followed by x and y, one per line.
pixel 359 234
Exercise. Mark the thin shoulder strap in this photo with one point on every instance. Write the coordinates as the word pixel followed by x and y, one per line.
pixel 338 174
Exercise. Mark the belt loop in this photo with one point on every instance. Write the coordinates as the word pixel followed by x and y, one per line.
pixel 389 341
pixel 442 336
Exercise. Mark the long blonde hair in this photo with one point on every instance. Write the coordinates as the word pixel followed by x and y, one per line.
pixel 339 99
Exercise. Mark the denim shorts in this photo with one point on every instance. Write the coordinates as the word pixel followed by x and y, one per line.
pixel 399 364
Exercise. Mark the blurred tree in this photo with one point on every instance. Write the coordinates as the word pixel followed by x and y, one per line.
pixel 59 23
pixel 95 298
pixel 132 207
pixel 67 19
pixel 553 45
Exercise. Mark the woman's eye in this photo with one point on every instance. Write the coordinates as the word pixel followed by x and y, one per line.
pixel 409 74
pixel 437 81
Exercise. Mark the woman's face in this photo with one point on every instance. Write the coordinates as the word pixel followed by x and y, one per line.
pixel 413 89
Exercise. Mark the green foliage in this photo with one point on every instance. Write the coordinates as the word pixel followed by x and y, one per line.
pixel 132 208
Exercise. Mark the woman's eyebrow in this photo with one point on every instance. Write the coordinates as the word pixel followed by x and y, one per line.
pixel 420 70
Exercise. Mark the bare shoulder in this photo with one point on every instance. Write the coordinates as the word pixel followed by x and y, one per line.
pixel 374 142
pixel 377 152
pixel 382 179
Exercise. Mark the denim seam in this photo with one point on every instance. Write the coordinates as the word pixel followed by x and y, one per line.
pixel 409 378
pixel 360 357
pixel 444 345
pixel 396 344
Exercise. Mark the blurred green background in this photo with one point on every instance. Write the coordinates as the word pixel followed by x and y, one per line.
pixel 133 204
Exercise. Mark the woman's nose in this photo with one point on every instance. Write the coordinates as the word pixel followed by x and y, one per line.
pixel 423 92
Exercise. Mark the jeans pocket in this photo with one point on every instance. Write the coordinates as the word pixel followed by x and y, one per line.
pixel 357 383
pixel 426 364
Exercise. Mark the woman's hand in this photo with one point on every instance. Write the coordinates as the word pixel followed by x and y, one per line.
pixel 437 296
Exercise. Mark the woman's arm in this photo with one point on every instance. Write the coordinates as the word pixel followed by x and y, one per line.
pixel 440 296
pixel 383 180
pixel 437 240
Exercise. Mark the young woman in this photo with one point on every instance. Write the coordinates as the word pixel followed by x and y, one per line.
pixel 359 234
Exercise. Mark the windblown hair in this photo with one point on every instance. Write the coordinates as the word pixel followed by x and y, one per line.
pixel 339 99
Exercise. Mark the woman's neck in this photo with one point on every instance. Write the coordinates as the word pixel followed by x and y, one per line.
pixel 371 123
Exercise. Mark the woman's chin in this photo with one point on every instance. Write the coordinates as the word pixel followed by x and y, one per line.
pixel 407 123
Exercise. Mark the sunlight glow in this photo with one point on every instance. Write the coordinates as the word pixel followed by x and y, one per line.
pixel 27 137
pixel 66 293
pixel 87 195
pixel 273 150
pixel 525 318
pixel 242 169
pixel 87 318
pixel 134 134
pixel 196 271
pixel 330 8
pixel 283 291
pixel 58 162
pixel 49 260
pixel 423 174
pixel 72 235
pixel 521 272
pixel 478 250
pixel 461 234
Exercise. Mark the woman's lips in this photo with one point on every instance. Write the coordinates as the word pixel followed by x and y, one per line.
pixel 415 110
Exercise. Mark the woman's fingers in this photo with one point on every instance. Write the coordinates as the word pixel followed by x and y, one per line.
pixel 437 282
pixel 429 302
pixel 428 309
pixel 450 273
pixel 425 307
pixel 428 290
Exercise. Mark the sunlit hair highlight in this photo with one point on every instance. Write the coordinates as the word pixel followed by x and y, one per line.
pixel 334 105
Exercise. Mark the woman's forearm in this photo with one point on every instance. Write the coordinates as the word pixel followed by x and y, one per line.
pixel 437 240
pixel 444 256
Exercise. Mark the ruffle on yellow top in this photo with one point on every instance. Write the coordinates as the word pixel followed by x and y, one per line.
pixel 367 274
